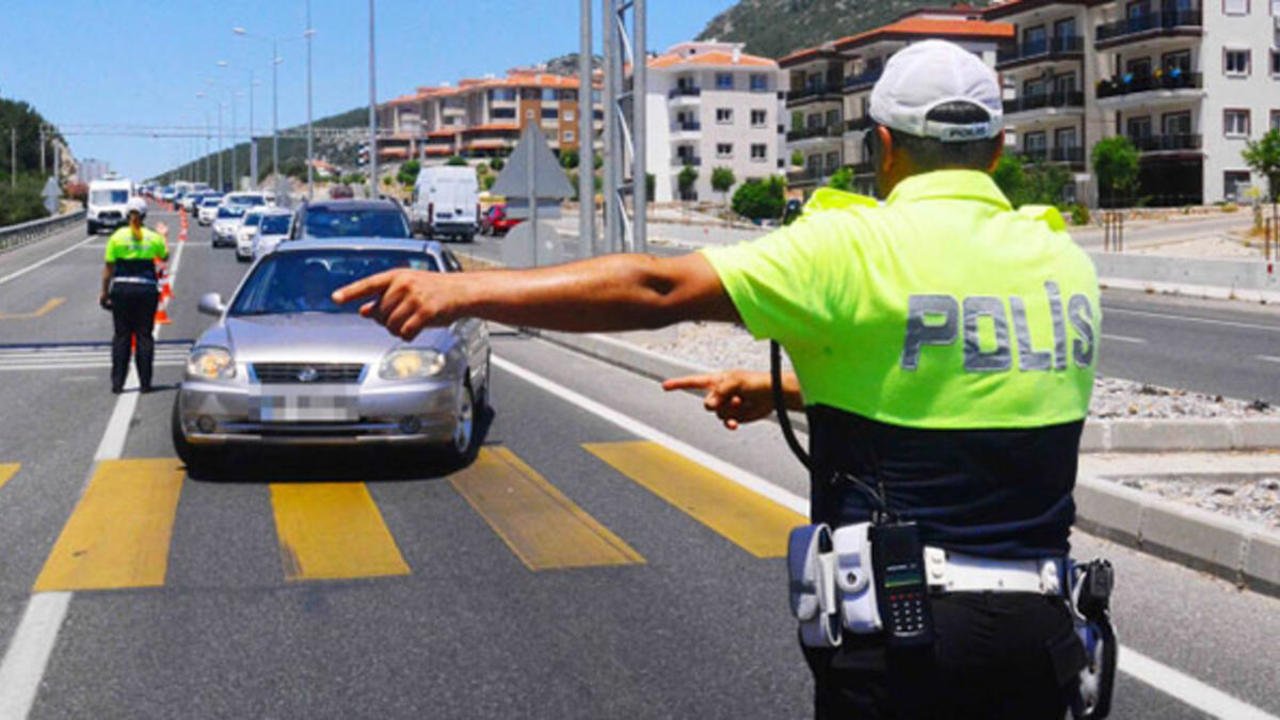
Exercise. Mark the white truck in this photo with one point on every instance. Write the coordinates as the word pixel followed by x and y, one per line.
pixel 107 205
pixel 446 203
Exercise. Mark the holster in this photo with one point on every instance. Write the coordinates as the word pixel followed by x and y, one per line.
pixel 811 567
pixel 1090 595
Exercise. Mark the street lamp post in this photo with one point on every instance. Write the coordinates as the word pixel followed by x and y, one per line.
pixel 275 91
pixel 311 183
pixel 373 112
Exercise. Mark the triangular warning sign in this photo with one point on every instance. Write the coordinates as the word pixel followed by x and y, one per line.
pixel 549 179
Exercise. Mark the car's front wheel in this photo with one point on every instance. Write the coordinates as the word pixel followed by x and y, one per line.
pixel 462 446
pixel 202 462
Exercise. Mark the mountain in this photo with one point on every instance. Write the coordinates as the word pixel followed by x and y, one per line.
pixel 774 28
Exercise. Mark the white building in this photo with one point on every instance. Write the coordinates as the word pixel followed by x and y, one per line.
pixel 711 105
pixel 1187 82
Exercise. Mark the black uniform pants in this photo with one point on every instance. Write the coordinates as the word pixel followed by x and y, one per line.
pixel 997 655
pixel 134 315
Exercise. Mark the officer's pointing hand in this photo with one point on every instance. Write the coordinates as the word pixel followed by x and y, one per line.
pixel 403 301
pixel 735 396
pixel 162 229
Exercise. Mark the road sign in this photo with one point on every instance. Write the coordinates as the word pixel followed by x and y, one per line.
pixel 51 194
pixel 532 178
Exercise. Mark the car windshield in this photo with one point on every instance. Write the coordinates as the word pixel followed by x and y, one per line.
pixel 249 200
pixel 109 197
pixel 230 212
pixel 302 281
pixel 210 202
pixel 334 222
pixel 275 224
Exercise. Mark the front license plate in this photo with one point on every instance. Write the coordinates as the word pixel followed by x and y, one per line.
pixel 286 404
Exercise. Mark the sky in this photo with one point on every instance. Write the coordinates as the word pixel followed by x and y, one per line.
pixel 130 62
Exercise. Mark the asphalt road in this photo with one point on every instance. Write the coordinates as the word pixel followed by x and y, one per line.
pixel 583 568
pixel 1212 346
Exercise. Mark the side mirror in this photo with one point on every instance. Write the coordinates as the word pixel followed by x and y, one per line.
pixel 211 304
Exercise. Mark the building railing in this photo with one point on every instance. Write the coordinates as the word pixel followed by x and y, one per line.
pixel 819 131
pixel 686 126
pixel 814 90
pixel 866 78
pixel 1146 22
pixel 1161 143
pixel 1048 47
pixel 860 123
pixel 1128 83
pixel 14 236
pixel 676 92
pixel 1070 98
pixel 683 160
pixel 1073 154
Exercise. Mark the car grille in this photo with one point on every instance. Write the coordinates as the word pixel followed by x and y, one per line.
pixel 109 215
pixel 294 373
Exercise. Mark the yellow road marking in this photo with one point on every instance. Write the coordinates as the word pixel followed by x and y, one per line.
pixel 757 525
pixel 118 535
pixel 331 531
pixel 49 306
pixel 7 471
pixel 545 529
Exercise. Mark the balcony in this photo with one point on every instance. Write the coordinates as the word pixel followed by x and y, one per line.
pixel 1128 84
pixel 680 161
pixel 808 177
pixel 814 92
pixel 1147 24
pixel 1040 101
pixel 686 126
pixel 862 123
pixel 1167 143
pixel 684 92
pixel 1070 155
pixel 1046 49
pixel 862 80
pixel 820 131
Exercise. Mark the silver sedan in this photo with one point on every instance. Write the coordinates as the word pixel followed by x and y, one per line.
pixel 284 365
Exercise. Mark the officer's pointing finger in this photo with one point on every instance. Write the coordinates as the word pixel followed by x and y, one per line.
pixel 367 287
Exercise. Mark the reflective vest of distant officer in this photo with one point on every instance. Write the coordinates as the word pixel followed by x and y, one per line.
pixel 131 291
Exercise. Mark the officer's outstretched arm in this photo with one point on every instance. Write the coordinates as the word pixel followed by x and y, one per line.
pixel 739 396
pixel 615 292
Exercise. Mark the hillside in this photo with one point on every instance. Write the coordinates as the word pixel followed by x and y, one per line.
pixel 774 28
pixel 20 198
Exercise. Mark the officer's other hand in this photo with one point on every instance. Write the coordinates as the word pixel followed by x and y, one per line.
pixel 735 396
pixel 104 301
pixel 403 301
pixel 162 229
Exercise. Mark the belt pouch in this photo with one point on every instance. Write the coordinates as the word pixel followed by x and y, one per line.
pixel 810 566
pixel 853 579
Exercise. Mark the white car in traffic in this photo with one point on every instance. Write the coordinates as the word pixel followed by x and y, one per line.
pixel 208 210
pixel 273 229
pixel 225 224
pixel 245 233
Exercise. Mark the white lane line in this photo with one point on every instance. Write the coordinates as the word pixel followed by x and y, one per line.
pixel 27 657
pixel 1269 358
pixel 1186 688
pixel 1163 678
pixel 19 273
pixel 1124 338
pixel 1189 318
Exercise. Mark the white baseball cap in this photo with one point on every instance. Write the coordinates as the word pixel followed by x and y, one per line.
pixel 930 73
pixel 137 205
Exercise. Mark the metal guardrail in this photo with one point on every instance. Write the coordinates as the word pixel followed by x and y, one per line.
pixel 15 236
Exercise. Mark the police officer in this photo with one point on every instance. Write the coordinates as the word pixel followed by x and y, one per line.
pixel 944 347
pixel 131 291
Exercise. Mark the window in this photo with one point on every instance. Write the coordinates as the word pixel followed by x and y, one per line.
pixel 759 152
pixel 833 118
pixel 550 113
pixel 549 95
pixel 569 115
pixel 1235 7
pixel 833 162
pixel 759 118
pixel 1235 123
pixel 724 116
pixel 1275 58
pixel 1138 67
pixel 1034 144
pixel 724 150
pixel 502 95
pixel 1236 62
pixel 759 82
pixel 567 136
pixel 724 81
pixel 1139 127
pixel 1275 119
pixel 1178 123
pixel 1033 38
pixel 1065 137
pixel 814 122
pixel 1064 29
pixel 503 113
pixel 1180 61
pixel 1232 180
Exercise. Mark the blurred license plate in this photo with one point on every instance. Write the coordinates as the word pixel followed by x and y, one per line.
pixel 291 405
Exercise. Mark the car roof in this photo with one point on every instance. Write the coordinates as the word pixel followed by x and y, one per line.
pixel 361 243
pixel 346 204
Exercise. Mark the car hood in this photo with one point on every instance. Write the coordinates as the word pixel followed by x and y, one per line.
pixel 317 337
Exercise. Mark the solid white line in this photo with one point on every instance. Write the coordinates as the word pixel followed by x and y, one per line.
pixel 1189 318
pixel 45 261
pixel 29 652
pixel 1186 688
pixel 1172 682
pixel 27 656
pixel 1269 358
pixel 1124 338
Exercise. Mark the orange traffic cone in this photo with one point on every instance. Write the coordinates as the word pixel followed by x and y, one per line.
pixel 166 293
pixel 162 314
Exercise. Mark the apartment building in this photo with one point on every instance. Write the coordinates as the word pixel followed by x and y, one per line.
pixel 482 117
pixel 831 87
pixel 709 105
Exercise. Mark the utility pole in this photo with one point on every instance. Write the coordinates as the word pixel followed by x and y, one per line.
pixel 373 112
pixel 13 157
pixel 253 140
pixel 311 156
pixel 42 165
pixel 222 179
pixel 611 144
pixel 235 173
pixel 275 110
pixel 624 136
pixel 586 138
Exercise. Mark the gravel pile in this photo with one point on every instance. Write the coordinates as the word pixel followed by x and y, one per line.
pixel 720 345
pixel 1254 498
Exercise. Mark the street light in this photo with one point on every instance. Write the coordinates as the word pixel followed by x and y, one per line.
pixel 373 113
pixel 275 86
pixel 221 177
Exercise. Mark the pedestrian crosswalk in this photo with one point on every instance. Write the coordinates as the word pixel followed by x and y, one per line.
pixel 7 471
pixel 80 357
pixel 119 534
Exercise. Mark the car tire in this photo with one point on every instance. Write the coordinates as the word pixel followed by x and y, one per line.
pixel 469 238
pixel 203 463
pixel 462 447
pixel 93 229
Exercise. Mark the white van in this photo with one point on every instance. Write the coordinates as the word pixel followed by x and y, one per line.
pixel 108 203
pixel 446 203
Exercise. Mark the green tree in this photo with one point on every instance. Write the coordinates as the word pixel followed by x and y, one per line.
pixel 1263 157
pixel 722 180
pixel 1115 165
pixel 842 179
pixel 1010 178
pixel 569 158
pixel 497 163
pixel 686 179
pixel 759 199
pixel 408 174
pixel 488 181
pixel 457 161
pixel 1046 183
pixel 797 158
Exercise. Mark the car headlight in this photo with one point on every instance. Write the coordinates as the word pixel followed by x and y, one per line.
pixel 411 364
pixel 211 363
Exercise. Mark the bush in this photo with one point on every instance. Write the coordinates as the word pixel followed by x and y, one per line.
pixel 1010 178
pixel 496 164
pixel 23 202
pixel 408 174
pixel 457 161
pixel 1115 165
pixel 686 179
pixel 1079 214
pixel 722 179
pixel 842 179
pixel 797 158
pixel 488 181
pixel 760 199
pixel 569 158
